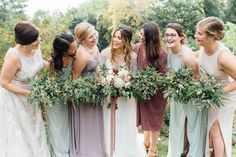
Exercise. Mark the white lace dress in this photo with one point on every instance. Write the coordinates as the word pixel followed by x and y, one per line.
pixel 126 132
pixel 22 132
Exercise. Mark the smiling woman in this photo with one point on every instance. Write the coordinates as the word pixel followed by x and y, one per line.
pixel 51 5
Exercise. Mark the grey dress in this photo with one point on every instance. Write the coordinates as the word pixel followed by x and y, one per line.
pixel 196 122
pixel 58 123
pixel 86 126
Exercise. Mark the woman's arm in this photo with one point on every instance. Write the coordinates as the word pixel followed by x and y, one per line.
pixel 227 63
pixel 191 61
pixel 80 62
pixel 10 66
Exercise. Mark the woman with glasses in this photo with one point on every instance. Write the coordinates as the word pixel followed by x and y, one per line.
pixel 187 123
pixel 151 112
pixel 120 54
pixel 64 49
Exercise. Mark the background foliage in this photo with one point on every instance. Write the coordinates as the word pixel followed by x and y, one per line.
pixel 106 15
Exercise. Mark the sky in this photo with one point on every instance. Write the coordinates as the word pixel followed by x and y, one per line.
pixel 51 5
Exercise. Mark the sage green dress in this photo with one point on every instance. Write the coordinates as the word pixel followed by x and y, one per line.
pixel 196 122
pixel 58 123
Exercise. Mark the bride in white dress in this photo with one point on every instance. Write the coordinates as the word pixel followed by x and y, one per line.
pixel 22 132
pixel 121 54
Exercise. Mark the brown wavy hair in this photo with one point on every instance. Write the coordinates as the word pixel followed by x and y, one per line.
pixel 126 37
pixel 179 29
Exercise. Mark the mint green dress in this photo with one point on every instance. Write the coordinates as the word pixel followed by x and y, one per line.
pixel 58 123
pixel 196 122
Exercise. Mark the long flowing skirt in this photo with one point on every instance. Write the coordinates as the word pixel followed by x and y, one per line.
pixel 58 130
pixel 176 130
pixel 126 132
pixel 196 130
pixel 86 132
pixel 22 132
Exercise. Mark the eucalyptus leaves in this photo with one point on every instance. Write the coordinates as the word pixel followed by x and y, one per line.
pixel 203 93
pixel 97 89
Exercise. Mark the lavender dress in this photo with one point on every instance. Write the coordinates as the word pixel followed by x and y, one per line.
pixel 86 126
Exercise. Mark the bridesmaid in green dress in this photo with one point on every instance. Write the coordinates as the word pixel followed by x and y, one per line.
pixel 187 123
pixel 64 49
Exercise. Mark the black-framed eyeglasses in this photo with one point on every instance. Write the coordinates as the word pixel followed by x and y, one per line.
pixel 171 35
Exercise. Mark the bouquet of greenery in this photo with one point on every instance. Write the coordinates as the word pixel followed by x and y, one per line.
pixel 119 81
pixel 177 85
pixel 145 83
pixel 45 89
pixel 87 90
pixel 207 92
pixel 203 93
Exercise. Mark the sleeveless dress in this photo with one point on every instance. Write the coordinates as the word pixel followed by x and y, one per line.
pixel 86 125
pixel 126 144
pixel 58 122
pixel 196 122
pixel 224 114
pixel 22 132
pixel 150 114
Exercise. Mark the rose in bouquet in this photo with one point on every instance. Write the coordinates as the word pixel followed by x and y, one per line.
pixel 118 79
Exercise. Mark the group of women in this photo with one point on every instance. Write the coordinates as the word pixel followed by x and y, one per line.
pixel 103 132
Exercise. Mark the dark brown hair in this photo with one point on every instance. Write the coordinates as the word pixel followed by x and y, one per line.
pixel 61 45
pixel 179 29
pixel 153 41
pixel 25 33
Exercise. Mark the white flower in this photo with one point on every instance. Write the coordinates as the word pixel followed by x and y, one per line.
pixel 109 78
pixel 110 71
pixel 123 72
pixel 118 82
pixel 127 84
pixel 199 92
pixel 103 81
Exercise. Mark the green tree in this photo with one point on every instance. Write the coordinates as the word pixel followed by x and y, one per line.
pixel 230 36
pixel 50 25
pixel 212 8
pixel 230 12
pixel 185 13
pixel 11 11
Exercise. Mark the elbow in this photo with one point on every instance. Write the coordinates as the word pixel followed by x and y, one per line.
pixel 3 84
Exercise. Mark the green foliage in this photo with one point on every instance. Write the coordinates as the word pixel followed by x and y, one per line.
pixel 107 15
pixel 230 11
pixel 45 90
pixel 185 13
pixel 203 93
pixel 230 37
pixel 145 83
pixel 212 8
